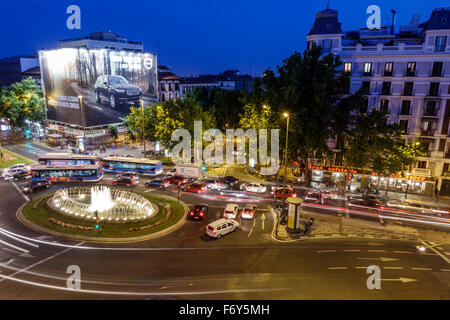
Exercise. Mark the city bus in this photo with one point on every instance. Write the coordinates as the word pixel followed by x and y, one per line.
pixel 68 173
pixel 60 159
pixel 124 164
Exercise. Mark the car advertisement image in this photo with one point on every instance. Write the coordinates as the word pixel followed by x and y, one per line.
pixel 96 87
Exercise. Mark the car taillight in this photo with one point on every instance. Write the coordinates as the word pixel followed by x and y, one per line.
pixel 192 213
pixel 294 195
pixel 201 214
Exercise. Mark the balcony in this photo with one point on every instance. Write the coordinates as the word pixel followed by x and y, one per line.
pixel 427 133
pixel 386 92
pixel 409 73
pixel 430 112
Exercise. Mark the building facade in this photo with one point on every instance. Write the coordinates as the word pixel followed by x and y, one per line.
pixel 168 84
pixel 407 74
pixel 102 40
pixel 15 69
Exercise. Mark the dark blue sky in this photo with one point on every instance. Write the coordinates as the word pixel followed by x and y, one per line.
pixel 194 36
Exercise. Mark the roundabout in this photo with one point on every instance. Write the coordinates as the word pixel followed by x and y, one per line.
pixel 103 214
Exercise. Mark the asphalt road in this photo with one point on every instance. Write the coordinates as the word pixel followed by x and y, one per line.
pixel 247 264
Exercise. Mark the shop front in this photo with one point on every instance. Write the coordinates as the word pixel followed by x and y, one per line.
pixel 358 180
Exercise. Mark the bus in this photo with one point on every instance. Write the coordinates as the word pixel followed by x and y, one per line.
pixel 60 159
pixel 140 166
pixel 68 173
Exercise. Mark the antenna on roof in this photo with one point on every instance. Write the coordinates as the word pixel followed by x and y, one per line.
pixel 328 4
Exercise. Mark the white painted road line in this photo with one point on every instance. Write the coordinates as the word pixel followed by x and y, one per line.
pixel 422 269
pixel 352 250
pixel 41 261
pixel 393 268
pixel 435 251
pixel 323 251
pixel 13 246
pixel 376 250
pixel 403 251
pixel 337 268
pixel 20 191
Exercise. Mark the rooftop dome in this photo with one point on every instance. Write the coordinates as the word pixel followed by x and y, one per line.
pixel 326 23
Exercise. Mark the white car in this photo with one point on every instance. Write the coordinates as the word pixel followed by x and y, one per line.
pixel 171 172
pixel 248 212
pixel 280 186
pixel 230 211
pixel 253 187
pixel 221 227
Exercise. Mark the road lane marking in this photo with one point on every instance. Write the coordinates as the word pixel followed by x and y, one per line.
pixel 337 268
pixel 263 217
pixel 352 250
pixel 445 270
pixel 8 234
pixel 403 280
pixel 41 261
pixel 435 251
pixel 13 251
pixel 20 191
pixel 13 246
pixel 383 259
pixel 376 250
pixel 422 269
pixel 323 251
pixel 361 267
pixel 403 251
pixel 393 268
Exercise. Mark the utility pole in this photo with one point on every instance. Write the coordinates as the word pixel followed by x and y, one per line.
pixel 143 127
pixel 83 119
pixel 286 115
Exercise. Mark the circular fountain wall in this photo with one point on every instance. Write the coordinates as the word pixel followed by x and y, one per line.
pixel 112 205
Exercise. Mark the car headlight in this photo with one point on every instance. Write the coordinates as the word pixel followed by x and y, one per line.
pixel 120 90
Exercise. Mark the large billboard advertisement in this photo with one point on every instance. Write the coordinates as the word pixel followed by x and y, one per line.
pixel 96 87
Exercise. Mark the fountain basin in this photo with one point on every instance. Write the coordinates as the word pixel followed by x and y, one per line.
pixel 102 203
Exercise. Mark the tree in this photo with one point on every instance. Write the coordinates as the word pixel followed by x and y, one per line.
pixel 22 101
pixel 315 94
pixel 113 132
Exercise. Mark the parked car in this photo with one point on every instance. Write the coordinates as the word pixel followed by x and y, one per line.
pixel 230 211
pixel 199 212
pixel 248 212
pixel 124 181
pixel 117 90
pixel 253 187
pixel 171 172
pixel 195 187
pixel 36 185
pixel 221 227
pixel 155 183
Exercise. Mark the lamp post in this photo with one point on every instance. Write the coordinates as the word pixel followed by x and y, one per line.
pixel 83 119
pixel 286 115
pixel 143 127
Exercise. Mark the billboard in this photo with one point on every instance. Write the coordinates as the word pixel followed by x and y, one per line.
pixel 96 87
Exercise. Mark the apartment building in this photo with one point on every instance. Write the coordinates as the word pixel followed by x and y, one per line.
pixel 407 74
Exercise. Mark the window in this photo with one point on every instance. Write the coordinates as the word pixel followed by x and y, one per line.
pixel 403 124
pixel 437 69
pixel 388 69
pixel 384 106
pixel 422 164
pixel 406 107
pixel 163 87
pixel 439 45
pixel 348 67
pixel 446 167
pixel 327 44
pixel 431 108
pixel 434 89
pixel 411 69
pixel 366 87
pixel 386 89
pixel 367 68
pixel 177 86
pixel 408 89
pixel 170 86
pixel 163 97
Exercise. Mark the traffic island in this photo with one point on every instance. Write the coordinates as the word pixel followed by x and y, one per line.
pixel 42 215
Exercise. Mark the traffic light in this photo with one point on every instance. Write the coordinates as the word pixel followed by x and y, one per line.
pixel 204 168
pixel 97 224
pixel 27 133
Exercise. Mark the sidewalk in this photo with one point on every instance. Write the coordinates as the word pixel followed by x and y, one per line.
pixel 329 226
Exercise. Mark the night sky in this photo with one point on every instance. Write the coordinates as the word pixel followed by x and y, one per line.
pixel 194 36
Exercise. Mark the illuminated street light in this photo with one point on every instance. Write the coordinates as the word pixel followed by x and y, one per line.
pixel 286 115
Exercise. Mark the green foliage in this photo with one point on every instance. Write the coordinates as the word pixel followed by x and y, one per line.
pixel 22 101
pixel 113 131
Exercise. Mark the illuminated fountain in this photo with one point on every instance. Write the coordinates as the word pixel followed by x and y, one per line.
pixel 112 205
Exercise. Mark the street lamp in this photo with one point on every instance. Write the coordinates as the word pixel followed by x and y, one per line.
pixel 286 115
pixel 143 126
pixel 83 119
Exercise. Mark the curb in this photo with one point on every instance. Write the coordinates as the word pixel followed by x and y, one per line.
pixel 155 235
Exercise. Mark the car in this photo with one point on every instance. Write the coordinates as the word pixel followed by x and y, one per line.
pixel 16 173
pixel 195 187
pixel 230 180
pixel 35 185
pixel 131 175
pixel 230 211
pixel 161 183
pixel 312 197
pixel 199 212
pixel 171 172
pixel 280 186
pixel 253 187
pixel 124 181
pixel 221 227
pixel 248 212
pixel 117 90
pixel 288 192
pixel 178 180
pixel 214 184
pixel 367 204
